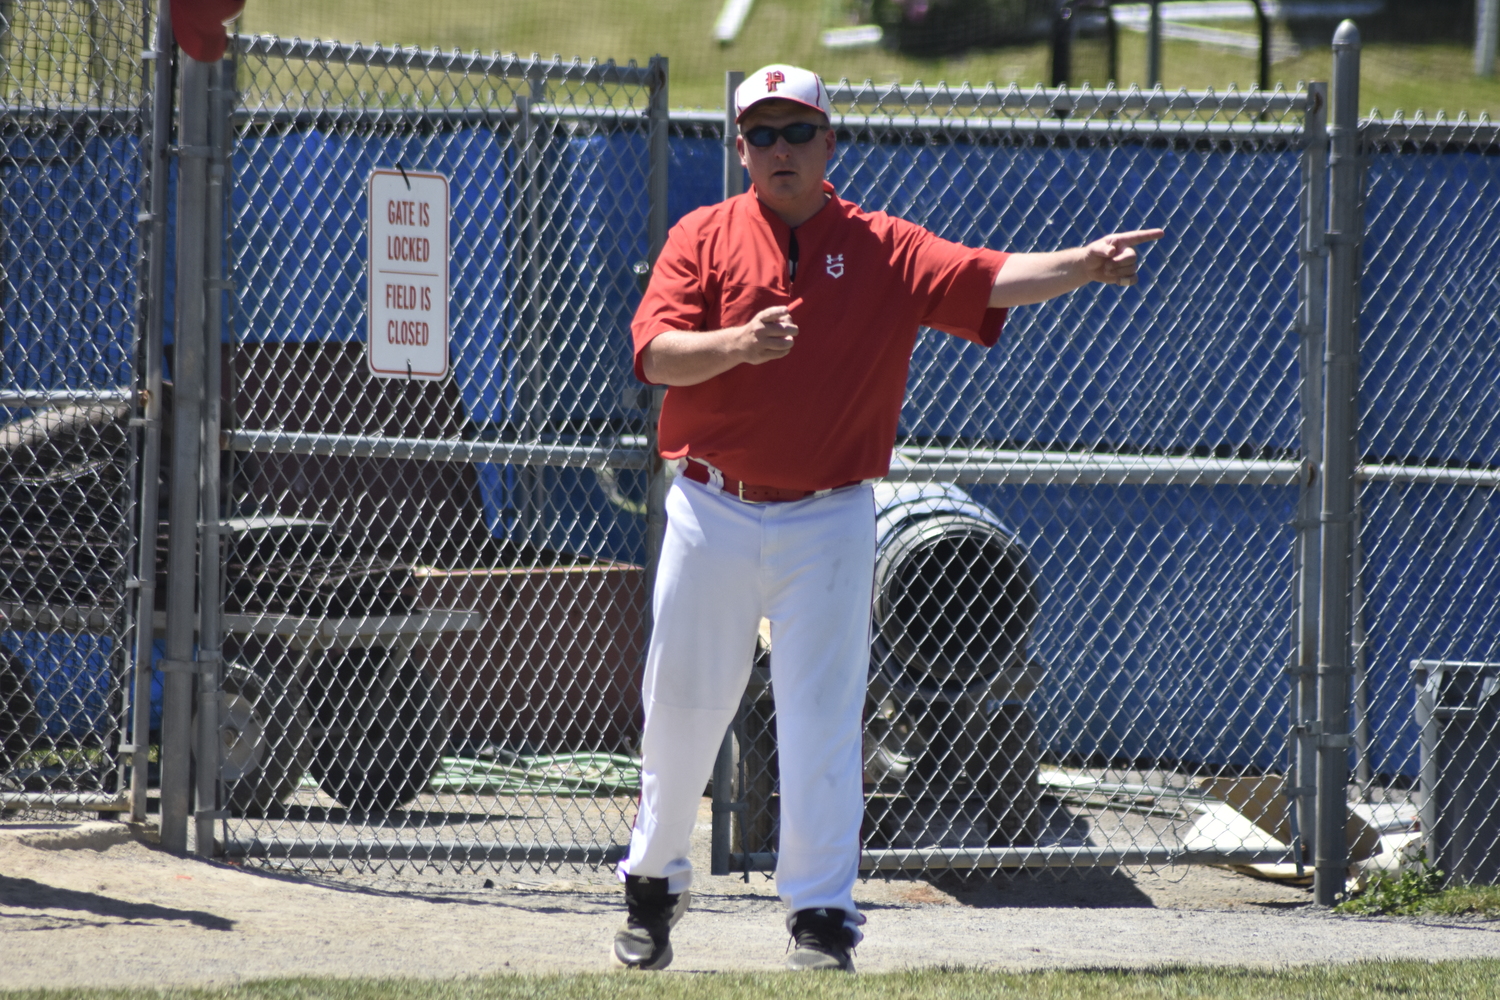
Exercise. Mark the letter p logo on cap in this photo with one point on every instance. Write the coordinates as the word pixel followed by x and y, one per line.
pixel 788 83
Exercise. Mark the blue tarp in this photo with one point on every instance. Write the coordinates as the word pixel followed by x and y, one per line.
pixel 1200 356
pixel 1430 391
pixel 68 255
pixel 1202 353
pixel 1163 618
pixel 1430 315
pixel 299 209
pixel 72 677
pixel 1431 573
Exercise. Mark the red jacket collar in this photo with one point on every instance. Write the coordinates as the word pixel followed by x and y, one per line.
pixel 819 218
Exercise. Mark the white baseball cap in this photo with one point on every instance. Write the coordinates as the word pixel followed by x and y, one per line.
pixel 790 83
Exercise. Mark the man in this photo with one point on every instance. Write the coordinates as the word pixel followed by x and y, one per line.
pixel 783 322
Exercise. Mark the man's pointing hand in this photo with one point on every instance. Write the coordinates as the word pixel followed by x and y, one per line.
pixel 1025 278
pixel 1112 259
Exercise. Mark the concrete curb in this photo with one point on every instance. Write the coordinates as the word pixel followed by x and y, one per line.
pixel 92 835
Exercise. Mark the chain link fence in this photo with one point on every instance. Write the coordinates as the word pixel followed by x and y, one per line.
pixel 1119 591
pixel 1086 582
pixel 434 593
pixel 1427 635
pixel 74 104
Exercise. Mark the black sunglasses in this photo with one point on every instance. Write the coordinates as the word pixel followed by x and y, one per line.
pixel 762 136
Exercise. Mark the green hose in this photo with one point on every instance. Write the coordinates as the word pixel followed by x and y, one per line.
pixel 562 774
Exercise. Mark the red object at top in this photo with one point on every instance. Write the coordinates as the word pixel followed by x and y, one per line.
pixel 199 26
pixel 826 413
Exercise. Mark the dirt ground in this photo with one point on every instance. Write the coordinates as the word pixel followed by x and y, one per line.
pixel 94 904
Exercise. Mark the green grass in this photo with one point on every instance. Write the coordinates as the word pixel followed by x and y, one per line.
pixel 1430 74
pixel 1406 980
pixel 86 58
pixel 63 757
pixel 1466 901
pixel 1420 892
pixel 1402 896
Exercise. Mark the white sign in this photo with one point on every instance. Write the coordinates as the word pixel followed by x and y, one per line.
pixel 408 286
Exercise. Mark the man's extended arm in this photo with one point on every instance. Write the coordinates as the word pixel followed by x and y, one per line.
pixel 687 357
pixel 1026 278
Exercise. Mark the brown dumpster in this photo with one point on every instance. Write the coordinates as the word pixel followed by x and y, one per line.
pixel 556 666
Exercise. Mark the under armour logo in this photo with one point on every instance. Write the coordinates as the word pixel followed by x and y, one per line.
pixel 836 265
pixel 773 78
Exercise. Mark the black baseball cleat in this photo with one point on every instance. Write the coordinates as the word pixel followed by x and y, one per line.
pixel 824 943
pixel 643 940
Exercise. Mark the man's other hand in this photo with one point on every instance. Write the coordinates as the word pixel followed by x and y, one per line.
pixel 688 357
pixel 766 337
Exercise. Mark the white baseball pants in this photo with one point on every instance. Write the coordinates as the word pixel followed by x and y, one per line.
pixel 809 567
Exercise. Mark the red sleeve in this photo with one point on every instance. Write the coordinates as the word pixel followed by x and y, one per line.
pixel 956 281
pixel 674 297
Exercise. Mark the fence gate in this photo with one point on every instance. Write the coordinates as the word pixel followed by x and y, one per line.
pixel 1099 585
pixel 433 589
pixel 1088 590
pixel 74 114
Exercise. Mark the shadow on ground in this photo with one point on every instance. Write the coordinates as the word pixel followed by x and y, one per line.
pixel 1050 888
pixel 25 893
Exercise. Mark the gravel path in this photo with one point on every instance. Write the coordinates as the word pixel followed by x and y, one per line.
pixel 90 905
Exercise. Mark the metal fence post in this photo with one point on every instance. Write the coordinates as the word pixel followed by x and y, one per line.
pixel 1313 296
pixel 1263 30
pixel 1486 29
pixel 188 378
pixel 1153 46
pixel 723 784
pixel 1340 454
pixel 734 171
pixel 656 235
pixel 210 552
pixel 154 230
pixel 1062 44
